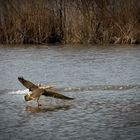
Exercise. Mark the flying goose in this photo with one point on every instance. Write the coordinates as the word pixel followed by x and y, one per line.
pixel 37 90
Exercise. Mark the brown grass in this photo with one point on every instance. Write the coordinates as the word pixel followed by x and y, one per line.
pixel 66 21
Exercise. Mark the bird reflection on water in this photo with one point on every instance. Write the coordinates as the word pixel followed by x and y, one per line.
pixel 39 109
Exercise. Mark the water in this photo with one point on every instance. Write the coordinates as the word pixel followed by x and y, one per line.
pixel 105 82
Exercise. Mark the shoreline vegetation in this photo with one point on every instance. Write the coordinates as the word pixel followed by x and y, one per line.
pixel 70 21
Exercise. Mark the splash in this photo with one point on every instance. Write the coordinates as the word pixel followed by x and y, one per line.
pixel 19 92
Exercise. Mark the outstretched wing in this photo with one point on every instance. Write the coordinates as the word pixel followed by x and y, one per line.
pixel 27 84
pixel 51 93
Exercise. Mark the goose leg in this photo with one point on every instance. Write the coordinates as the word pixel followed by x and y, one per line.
pixel 38 102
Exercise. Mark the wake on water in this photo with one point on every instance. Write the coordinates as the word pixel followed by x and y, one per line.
pixel 84 88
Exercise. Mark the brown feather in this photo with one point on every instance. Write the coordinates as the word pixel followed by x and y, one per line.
pixel 51 93
pixel 27 84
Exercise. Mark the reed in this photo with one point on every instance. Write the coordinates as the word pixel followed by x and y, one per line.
pixel 66 21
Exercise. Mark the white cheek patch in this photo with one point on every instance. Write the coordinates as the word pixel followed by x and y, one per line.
pixel 29 93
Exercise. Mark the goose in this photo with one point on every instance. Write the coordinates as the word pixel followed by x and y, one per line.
pixel 37 90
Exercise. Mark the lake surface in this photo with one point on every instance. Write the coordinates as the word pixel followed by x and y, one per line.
pixel 104 80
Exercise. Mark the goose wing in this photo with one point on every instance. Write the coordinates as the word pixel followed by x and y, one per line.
pixel 51 93
pixel 27 84
pixel 37 93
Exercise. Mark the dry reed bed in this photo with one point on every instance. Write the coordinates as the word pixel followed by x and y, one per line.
pixel 66 21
